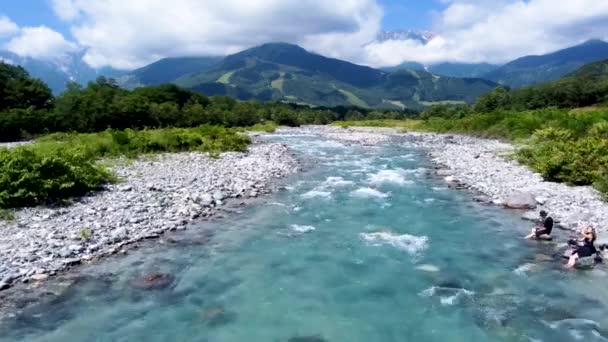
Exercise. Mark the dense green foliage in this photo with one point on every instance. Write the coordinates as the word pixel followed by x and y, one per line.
pixel 31 177
pixel 19 91
pixel 130 143
pixel 64 165
pixel 288 73
pixel 564 139
pixel 532 70
pixel 563 145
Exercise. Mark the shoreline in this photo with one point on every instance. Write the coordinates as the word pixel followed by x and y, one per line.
pixel 482 167
pixel 166 192
pixel 156 194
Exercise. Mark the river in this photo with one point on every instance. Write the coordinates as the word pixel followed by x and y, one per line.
pixel 364 245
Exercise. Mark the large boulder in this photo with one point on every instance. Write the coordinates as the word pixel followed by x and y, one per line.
pixel 521 200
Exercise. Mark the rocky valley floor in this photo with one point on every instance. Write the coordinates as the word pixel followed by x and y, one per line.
pixel 155 194
pixel 166 192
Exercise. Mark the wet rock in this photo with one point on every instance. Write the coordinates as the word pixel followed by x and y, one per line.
pixel 450 179
pixel 482 199
pixel 217 315
pixel 39 277
pixel 153 281
pixel 71 261
pixel 530 216
pixel 307 339
pixel 520 200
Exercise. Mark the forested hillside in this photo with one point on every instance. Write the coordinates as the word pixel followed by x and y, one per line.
pixel 27 108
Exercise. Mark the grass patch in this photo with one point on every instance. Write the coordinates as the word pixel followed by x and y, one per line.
pixel 352 98
pixel 132 143
pixel 6 215
pixel 225 78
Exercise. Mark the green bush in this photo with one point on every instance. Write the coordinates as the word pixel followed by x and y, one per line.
pixel 28 177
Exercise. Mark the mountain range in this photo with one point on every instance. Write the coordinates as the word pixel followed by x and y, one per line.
pixel 56 73
pixel 285 72
pixel 289 73
pixel 530 70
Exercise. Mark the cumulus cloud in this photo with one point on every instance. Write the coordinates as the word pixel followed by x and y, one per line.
pixel 127 34
pixel 7 26
pixel 498 31
pixel 40 42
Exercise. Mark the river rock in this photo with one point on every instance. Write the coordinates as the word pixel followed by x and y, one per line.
pixel 204 200
pixel 482 199
pixel 444 173
pixel 218 196
pixel 153 281
pixel 530 216
pixel 307 339
pixel 521 200
pixel 119 234
pixel 39 277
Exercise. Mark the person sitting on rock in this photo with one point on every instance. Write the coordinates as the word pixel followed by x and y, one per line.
pixel 585 246
pixel 543 229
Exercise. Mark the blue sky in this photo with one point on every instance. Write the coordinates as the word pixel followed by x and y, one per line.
pixel 33 13
pixel 127 34
pixel 412 14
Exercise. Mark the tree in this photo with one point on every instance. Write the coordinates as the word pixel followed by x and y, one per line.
pixel 19 90
pixel 499 98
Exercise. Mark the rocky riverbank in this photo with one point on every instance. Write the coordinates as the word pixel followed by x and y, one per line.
pixel 155 194
pixel 484 166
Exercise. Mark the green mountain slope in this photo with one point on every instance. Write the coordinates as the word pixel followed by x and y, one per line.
pixel 166 70
pixel 596 70
pixel 532 70
pixel 285 72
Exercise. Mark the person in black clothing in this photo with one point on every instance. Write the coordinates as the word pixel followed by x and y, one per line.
pixel 543 230
pixel 585 248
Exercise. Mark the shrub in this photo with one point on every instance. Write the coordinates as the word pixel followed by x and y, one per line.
pixel 28 177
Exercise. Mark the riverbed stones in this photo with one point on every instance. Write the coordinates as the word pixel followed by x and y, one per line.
pixel 153 197
pixel 39 277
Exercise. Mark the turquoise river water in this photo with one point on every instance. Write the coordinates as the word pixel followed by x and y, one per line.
pixel 363 245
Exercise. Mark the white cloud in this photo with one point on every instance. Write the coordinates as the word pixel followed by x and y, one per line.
pixel 127 34
pixel 7 26
pixel 40 42
pixel 499 30
pixel 65 9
